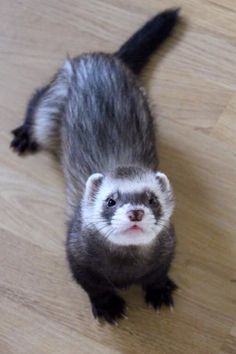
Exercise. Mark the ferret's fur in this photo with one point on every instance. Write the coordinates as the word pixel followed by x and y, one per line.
pixel 94 115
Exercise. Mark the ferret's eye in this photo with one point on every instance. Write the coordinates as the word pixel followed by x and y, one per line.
pixel 154 201
pixel 111 202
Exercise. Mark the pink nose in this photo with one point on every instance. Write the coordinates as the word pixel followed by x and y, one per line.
pixel 135 215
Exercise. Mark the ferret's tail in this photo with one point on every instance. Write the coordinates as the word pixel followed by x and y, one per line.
pixel 138 48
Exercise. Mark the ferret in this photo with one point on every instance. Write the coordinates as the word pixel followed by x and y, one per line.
pixel 94 115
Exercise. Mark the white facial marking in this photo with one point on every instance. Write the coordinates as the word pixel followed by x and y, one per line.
pixel 124 233
pixel 119 230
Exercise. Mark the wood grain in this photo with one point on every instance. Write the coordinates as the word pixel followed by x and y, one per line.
pixel 192 84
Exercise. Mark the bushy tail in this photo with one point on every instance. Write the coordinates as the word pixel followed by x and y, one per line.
pixel 138 48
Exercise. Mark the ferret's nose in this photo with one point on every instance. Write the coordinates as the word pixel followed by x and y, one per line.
pixel 135 215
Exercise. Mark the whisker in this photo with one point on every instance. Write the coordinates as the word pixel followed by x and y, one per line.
pixel 100 228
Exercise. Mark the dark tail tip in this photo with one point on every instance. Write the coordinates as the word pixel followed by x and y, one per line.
pixel 138 48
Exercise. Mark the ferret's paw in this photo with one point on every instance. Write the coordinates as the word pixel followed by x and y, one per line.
pixel 22 141
pixel 110 310
pixel 161 296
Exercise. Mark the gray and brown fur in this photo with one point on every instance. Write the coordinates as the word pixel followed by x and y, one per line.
pixel 95 117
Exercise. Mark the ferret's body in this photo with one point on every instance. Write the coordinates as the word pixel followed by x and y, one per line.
pixel 107 122
pixel 94 115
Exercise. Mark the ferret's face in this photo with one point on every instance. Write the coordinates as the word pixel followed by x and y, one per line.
pixel 128 211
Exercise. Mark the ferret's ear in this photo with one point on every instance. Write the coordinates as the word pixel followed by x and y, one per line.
pixel 163 182
pixel 92 185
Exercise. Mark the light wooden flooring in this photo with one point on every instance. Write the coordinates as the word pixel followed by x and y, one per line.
pixel 192 84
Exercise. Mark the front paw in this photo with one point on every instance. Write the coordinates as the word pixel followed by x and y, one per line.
pixel 161 296
pixel 110 308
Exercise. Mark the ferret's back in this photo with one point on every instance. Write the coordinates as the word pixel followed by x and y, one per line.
pixel 107 120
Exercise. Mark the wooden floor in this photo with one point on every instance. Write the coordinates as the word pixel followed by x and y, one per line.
pixel 192 83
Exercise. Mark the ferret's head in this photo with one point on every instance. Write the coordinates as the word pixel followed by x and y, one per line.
pixel 129 206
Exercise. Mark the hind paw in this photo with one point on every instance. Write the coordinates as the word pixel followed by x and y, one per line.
pixel 22 141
